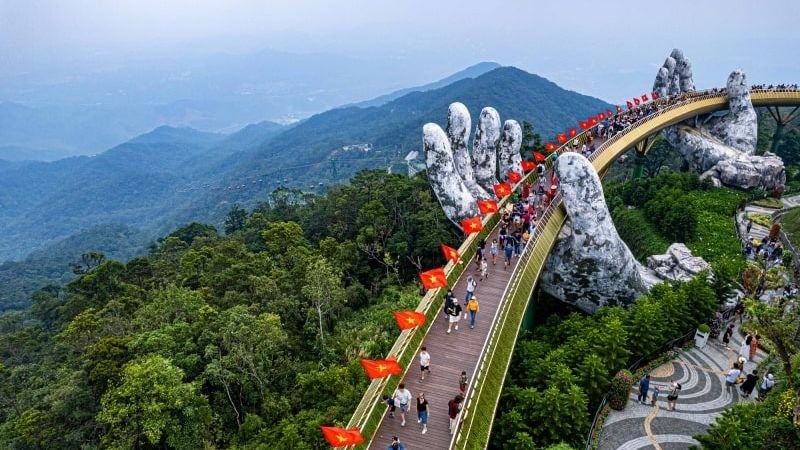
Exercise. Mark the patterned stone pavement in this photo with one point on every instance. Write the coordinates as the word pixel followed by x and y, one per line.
pixel 700 371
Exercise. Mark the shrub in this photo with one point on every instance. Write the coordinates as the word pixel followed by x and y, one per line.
pixel 774 230
pixel 704 328
pixel 761 219
pixel 620 389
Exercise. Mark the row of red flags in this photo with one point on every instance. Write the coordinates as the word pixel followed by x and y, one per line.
pixel 644 98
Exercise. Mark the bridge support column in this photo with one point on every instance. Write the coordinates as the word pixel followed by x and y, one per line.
pixel 642 147
pixel 781 123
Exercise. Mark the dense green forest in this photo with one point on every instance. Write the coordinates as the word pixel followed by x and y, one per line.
pixel 247 340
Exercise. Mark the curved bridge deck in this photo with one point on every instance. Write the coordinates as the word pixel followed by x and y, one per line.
pixel 485 352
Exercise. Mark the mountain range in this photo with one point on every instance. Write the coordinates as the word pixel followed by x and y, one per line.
pixel 170 176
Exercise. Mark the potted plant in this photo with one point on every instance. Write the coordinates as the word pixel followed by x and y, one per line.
pixel 701 335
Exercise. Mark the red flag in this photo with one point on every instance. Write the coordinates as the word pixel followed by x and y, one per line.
pixel 583 124
pixel 573 132
pixel 450 253
pixel 527 166
pixel 434 278
pixel 619 108
pixel 592 121
pixel 538 157
pixel 636 101
pixel 654 95
pixel 561 138
pixel 549 146
pixel 409 319
pixel 630 105
pixel 608 113
pixel 514 176
pixel 503 189
pixel 601 116
pixel 487 206
pixel 644 97
pixel 339 437
pixel 380 368
pixel 473 224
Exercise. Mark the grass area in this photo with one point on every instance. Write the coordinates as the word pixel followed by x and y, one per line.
pixel 640 235
pixel 715 238
pixel 790 224
pixel 769 202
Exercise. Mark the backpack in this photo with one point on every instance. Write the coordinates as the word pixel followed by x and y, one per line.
pixel 472 305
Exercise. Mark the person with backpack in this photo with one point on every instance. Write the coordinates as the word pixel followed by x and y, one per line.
pixel 509 252
pixel 672 397
pixel 472 307
pixel 454 314
pixel 471 285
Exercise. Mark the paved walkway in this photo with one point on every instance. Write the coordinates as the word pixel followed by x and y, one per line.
pixel 702 400
pixel 450 354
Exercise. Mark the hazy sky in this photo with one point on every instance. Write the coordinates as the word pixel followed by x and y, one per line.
pixel 610 49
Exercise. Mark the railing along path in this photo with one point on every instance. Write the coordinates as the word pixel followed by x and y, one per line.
pixel 487 378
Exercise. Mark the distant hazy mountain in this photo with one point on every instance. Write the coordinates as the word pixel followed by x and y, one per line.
pixel 172 176
pixel 137 184
pixel 56 113
pixel 348 139
pixel 470 72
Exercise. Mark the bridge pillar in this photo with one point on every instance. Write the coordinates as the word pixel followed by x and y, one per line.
pixel 781 122
pixel 642 148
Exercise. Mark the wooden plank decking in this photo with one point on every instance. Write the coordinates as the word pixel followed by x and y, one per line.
pixel 450 354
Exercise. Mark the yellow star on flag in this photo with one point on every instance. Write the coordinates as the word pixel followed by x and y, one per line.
pixel 341 438
pixel 411 320
pixel 381 368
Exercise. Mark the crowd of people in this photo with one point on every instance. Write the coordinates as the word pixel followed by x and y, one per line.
pixel 518 223
pixel 769 248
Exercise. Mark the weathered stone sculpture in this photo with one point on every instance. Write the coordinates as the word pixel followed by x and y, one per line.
pixel 458 179
pixel 484 148
pixel 590 266
pixel 720 147
pixel 458 127
pixel 508 155
pixel 454 196
pixel 677 264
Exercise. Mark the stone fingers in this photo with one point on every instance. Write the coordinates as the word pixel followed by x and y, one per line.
pixel 456 200
pixel 509 157
pixel 459 124
pixel 484 150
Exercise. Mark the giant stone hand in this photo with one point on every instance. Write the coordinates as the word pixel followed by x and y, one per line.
pixel 459 179
pixel 720 147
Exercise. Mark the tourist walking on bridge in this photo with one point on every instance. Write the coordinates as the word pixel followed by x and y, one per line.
pixel 473 307
pixel 402 397
pixel 454 314
pixel 424 363
pixel 422 412
pixel 453 408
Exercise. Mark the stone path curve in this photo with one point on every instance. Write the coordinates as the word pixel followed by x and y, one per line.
pixel 700 371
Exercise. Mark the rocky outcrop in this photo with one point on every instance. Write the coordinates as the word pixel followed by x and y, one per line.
pixel 590 266
pixel 484 148
pixel 458 128
pixel 720 147
pixel 677 264
pixel 454 196
pixel 508 156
